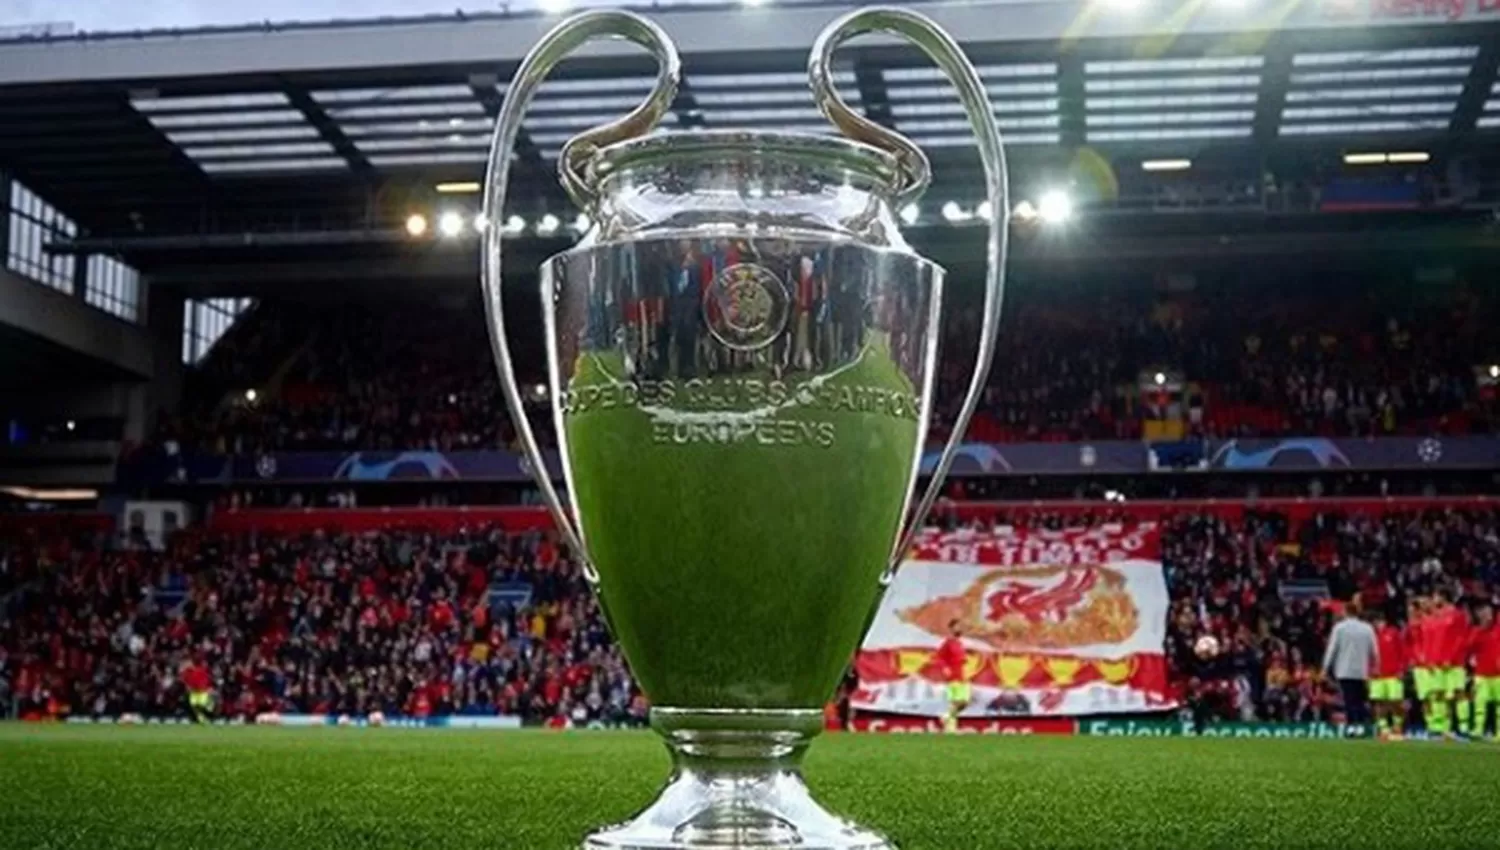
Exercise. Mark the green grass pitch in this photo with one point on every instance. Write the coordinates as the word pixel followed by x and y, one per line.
pixel 301 789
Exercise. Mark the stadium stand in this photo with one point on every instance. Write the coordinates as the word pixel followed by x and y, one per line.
pixel 436 613
pixel 402 621
pixel 369 377
pixel 1264 358
pixel 1254 358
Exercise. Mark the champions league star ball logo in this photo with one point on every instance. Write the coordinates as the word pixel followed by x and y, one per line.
pixel 265 466
pixel 1088 456
pixel 1430 450
pixel 746 307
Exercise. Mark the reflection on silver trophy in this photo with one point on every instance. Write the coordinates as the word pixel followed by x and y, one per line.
pixel 741 353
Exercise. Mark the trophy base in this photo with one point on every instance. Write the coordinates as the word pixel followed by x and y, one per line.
pixel 736 784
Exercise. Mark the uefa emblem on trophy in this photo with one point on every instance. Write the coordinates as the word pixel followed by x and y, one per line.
pixel 741 356
pixel 745 306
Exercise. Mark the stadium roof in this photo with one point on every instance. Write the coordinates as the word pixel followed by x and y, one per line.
pixel 343 126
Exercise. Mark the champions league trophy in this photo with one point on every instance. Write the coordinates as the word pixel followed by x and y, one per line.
pixel 741 355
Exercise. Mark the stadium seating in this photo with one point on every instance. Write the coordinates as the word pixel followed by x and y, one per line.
pixel 406 622
pixel 445 612
pixel 360 378
pixel 1077 361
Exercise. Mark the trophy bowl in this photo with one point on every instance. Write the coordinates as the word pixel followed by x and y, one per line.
pixel 741 354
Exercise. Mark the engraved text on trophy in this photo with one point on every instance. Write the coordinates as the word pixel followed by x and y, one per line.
pixel 741 410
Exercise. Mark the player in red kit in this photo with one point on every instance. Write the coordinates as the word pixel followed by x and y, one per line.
pixel 1447 638
pixel 1386 687
pixel 199 687
pixel 1417 657
pixel 1485 647
pixel 951 656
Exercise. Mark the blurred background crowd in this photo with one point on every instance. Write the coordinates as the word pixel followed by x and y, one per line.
pixel 1081 361
pixel 421 622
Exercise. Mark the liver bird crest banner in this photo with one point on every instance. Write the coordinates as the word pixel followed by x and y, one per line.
pixel 1053 622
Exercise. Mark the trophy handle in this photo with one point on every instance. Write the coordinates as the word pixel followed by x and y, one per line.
pixel 948 56
pixel 573 166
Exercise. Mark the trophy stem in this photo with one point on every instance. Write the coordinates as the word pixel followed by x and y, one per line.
pixel 736 783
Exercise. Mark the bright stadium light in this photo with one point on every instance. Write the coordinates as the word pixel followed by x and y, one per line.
pixel 481 223
pixel 1166 165
pixel 954 213
pixel 1495 370
pixel 548 225
pixel 910 213
pixel 1055 207
pixel 984 210
pixel 71 425
pixel 1364 158
pixel 1025 211
pixel 458 187
pixel 251 395
pixel 1408 156
pixel 450 224
pixel 513 225
pixel 581 222
pixel 416 224
pixel 1160 378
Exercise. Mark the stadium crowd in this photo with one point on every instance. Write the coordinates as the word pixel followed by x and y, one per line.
pixel 398 622
pixel 418 378
pixel 1080 361
pixel 1276 359
pixel 1268 594
pixel 409 621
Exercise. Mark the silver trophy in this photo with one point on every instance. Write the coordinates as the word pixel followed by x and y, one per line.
pixel 741 355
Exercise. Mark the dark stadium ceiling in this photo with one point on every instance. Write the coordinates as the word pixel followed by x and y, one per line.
pixel 342 128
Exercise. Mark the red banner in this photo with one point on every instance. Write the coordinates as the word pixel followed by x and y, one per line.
pixel 1074 546
pixel 1051 623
